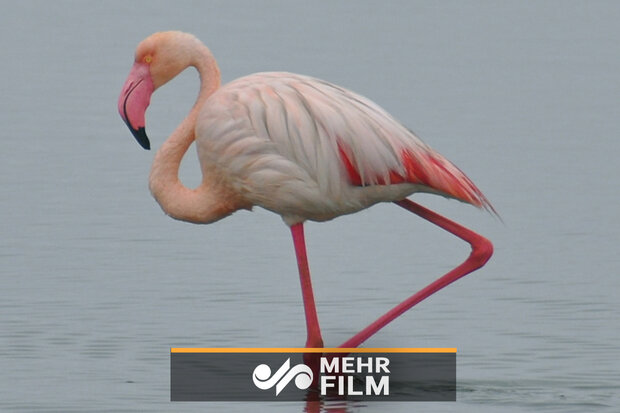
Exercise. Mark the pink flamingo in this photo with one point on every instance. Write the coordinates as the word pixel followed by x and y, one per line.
pixel 298 146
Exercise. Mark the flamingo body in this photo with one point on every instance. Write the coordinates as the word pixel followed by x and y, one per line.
pixel 309 150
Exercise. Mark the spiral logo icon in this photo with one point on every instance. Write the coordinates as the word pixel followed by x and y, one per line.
pixel 263 379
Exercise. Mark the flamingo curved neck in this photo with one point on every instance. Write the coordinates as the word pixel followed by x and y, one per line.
pixel 202 204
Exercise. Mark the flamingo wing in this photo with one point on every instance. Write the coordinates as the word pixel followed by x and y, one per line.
pixel 332 139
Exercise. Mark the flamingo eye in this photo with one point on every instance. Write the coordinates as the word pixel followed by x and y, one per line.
pixel 148 58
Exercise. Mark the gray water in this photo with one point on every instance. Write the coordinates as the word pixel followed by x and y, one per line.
pixel 96 284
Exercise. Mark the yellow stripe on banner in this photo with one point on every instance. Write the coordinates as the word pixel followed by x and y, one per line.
pixel 311 350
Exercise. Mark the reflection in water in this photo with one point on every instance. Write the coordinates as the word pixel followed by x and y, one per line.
pixel 333 406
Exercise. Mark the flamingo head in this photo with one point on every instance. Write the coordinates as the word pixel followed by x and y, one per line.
pixel 158 58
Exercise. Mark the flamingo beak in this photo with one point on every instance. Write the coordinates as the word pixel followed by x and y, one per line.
pixel 134 99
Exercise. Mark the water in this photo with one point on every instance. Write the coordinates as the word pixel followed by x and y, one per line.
pixel 97 284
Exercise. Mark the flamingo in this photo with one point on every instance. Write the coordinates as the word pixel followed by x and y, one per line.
pixel 301 147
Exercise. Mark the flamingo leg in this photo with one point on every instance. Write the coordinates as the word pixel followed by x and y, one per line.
pixel 312 321
pixel 314 338
pixel 482 249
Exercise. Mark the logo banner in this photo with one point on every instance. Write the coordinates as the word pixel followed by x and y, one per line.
pixel 272 374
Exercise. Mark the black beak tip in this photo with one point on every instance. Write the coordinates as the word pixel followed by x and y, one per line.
pixel 140 135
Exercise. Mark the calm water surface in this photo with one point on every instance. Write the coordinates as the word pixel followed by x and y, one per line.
pixel 97 284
